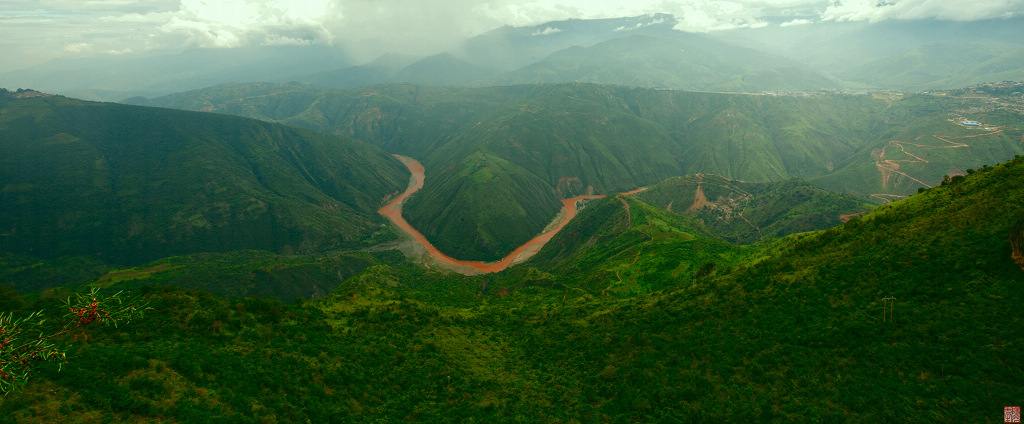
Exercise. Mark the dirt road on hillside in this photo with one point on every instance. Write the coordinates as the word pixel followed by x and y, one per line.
pixel 889 168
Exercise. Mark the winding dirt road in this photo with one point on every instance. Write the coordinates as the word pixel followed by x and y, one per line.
pixel 393 211
pixel 890 167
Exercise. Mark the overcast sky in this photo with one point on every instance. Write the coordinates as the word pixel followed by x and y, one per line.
pixel 34 31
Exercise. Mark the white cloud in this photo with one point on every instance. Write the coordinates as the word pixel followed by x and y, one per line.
pixel 238 14
pixel 203 34
pixel 78 48
pixel 795 22
pixel 656 21
pixel 280 40
pixel 547 31
pixel 235 23
pixel 874 10
pixel 107 2
pixel 715 15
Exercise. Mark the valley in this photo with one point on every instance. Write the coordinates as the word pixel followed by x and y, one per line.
pixel 311 264
pixel 605 318
pixel 393 211
pixel 511 212
pixel 519 143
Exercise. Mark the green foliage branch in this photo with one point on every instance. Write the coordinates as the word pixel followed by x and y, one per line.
pixel 27 342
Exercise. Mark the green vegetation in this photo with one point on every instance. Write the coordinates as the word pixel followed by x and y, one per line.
pixel 245 273
pixel 635 312
pixel 622 246
pixel 578 138
pixel 483 205
pixel 743 212
pixel 25 342
pixel 792 330
pixel 127 185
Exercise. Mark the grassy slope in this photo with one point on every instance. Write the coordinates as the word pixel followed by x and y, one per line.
pixel 795 335
pixel 133 184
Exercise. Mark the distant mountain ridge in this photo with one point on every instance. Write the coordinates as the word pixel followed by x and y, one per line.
pixel 509 48
pixel 113 78
pixel 677 61
pixel 641 51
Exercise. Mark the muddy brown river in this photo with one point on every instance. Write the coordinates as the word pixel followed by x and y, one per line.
pixel 393 211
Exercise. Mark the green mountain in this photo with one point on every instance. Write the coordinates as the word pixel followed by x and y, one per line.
pixel 907 310
pixel 581 138
pixel 481 206
pixel 129 184
pixel 744 212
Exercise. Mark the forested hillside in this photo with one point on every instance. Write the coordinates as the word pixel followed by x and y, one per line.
pixel 789 211
pixel 796 330
pixel 127 184
pixel 581 138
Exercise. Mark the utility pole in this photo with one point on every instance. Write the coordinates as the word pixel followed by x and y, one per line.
pixel 888 303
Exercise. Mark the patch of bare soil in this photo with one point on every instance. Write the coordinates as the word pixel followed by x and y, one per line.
pixel 1017 243
pixel 848 216
pixel 699 199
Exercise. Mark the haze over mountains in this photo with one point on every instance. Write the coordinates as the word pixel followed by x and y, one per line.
pixel 642 51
